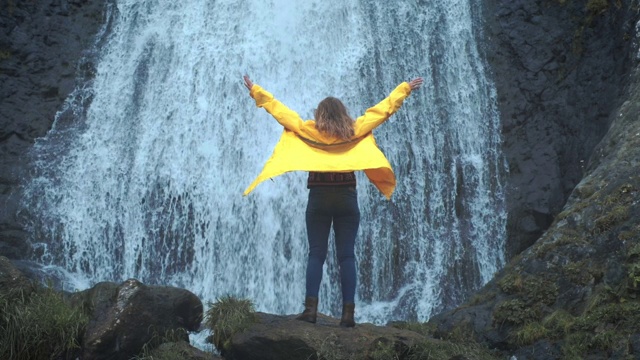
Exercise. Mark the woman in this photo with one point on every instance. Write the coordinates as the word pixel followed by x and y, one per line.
pixel 331 147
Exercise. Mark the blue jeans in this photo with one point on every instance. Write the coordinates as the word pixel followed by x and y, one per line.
pixel 337 205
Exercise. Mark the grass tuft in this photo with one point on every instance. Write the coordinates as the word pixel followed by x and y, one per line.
pixel 38 324
pixel 227 317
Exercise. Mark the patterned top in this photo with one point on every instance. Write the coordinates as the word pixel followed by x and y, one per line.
pixel 331 179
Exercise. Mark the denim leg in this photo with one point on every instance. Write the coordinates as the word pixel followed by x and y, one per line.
pixel 345 227
pixel 318 228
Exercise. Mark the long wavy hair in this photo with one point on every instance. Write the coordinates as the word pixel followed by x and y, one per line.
pixel 333 119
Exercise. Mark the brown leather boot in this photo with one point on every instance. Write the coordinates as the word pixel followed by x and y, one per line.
pixel 310 310
pixel 347 315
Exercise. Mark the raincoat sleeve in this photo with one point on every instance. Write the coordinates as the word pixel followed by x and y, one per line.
pixel 378 114
pixel 285 116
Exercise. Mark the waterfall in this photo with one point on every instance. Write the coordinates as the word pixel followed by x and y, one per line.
pixel 143 171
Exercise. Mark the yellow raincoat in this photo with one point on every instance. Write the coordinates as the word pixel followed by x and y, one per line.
pixel 302 147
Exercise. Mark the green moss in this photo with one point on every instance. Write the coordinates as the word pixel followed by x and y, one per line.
pixel 532 296
pixel 570 211
pixel 462 334
pixel 515 312
pixel 634 277
pixel 426 329
pixel 383 350
pixel 11 6
pixel 331 349
pixel 586 191
pixel 633 252
pixel 481 298
pixel 565 237
pixel 576 273
pixel 625 316
pixel 531 289
pixel 606 340
pixel 165 351
pixel 558 324
pixel 530 333
pixel 227 317
pixel 173 345
pixel 511 283
pixel 540 290
pixel 627 235
pixel 576 344
pixel 620 195
pixel 438 350
pixel 597 6
pixel 617 215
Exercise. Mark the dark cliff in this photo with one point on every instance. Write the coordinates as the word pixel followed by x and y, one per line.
pixel 575 293
pixel 560 68
pixel 45 51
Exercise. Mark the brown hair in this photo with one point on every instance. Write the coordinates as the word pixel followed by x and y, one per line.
pixel 332 118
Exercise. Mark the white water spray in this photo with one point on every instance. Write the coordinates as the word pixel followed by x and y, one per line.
pixel 146 180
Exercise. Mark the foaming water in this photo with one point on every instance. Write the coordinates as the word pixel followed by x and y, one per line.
pixel 146 180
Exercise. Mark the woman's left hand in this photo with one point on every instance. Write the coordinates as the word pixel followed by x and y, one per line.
pixel 247 82
pixel 416 83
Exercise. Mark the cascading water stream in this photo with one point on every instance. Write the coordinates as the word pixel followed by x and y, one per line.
pixel 144 179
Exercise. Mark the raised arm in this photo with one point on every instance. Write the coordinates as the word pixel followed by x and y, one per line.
pixel 264 99
pixel 379 113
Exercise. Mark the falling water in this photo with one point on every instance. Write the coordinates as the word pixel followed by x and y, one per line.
pixel 142 173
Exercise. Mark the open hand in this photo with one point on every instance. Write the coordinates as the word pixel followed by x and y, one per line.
pixel 247 82
pixel 416 83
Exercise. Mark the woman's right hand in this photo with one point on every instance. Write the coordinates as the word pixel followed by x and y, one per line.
pixel 416 83
pixel 247 82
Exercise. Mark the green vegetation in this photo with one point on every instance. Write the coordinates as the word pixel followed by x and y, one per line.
pixel 608 319
pixel 616 209
pixel 633 270
pixel 426 329
pixel 227 317
pixel 170 350
pixel 166 351
pixel 596 7
pixel 459 342
pixel 579 272
pixel 515 312
pixel 384 350
pixel 437 350
pixel 530 333
pixel 331 349
pixel 37 323
pixel 563 237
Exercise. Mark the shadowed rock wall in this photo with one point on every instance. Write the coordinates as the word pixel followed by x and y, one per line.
pixel 560 68
pixel 45 48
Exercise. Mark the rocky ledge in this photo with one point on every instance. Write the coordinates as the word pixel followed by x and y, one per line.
pixel 136 321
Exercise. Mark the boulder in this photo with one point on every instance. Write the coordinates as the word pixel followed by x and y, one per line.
pixel 125 317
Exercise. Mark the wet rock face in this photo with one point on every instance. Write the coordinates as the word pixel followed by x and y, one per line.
pixel 44 49
pixel 560 68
